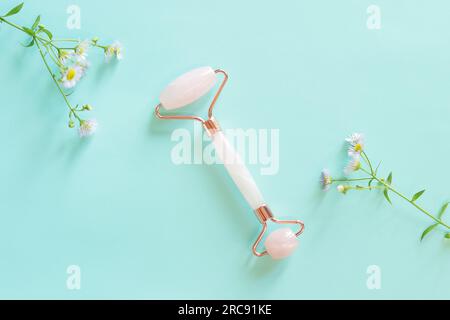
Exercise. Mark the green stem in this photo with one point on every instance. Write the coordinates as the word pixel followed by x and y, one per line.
pixel 54 56
pixel 100 46
pixel 66 40
pixel 77 41
pixel 350 180
pixel 72 110
pixel 389 187
pixel 12 24
pixel 365 157
pixel 363 188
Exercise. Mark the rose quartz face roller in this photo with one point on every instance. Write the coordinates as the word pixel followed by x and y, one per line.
pixel 190 87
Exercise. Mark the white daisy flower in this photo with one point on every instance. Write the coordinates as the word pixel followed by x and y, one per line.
pixel 81 51
pixel 87 128
pixel 109 53
pixel 325 179
pixel 116 49
pixel 356 141
pixel 72 75
pixel 353 165
pixel 65 56
pixel 85 64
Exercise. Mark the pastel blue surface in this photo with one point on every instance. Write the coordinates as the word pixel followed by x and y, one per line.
pixel 141 227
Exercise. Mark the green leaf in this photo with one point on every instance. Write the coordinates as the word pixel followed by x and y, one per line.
pixel 378 166
pixel 14 10
pixel 30 44
pixel 417 195
pixel 36 22
pixel 447 236
pixel 48 33
pixel 386 195
pixel 442 211
pixel 389 179
pixel 370 183
pixel 428 230
pixel 29 31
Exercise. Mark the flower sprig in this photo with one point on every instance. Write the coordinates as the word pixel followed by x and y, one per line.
pixel 360 162
pixel 66 61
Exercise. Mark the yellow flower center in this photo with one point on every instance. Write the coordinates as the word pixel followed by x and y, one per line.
pixel 71 74
pixel 358 147
pixel 86 125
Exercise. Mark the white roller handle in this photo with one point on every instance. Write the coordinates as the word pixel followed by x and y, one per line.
pixel 237 170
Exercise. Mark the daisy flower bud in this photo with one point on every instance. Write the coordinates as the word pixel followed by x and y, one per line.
pixel 71 124
pixel 341 188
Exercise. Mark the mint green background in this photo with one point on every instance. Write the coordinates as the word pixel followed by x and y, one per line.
pixel 141 227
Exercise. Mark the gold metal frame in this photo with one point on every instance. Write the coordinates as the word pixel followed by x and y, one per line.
pixel 264 214
pixel 192 117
